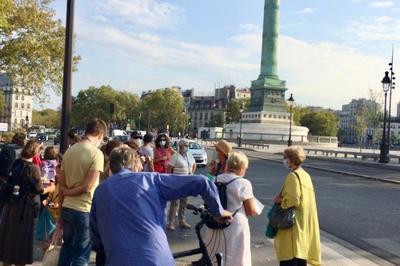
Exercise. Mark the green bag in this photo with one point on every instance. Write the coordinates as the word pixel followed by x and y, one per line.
pixel 46 226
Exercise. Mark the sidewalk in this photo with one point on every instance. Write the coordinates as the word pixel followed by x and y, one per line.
pixel 335 252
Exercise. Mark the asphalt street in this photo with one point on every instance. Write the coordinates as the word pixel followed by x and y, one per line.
pixel 359 212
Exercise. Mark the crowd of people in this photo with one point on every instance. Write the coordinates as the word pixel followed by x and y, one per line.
pixel 112 198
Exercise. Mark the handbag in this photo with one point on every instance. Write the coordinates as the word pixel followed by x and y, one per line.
pixel 46 225
pixel 52 254
pixel 284 218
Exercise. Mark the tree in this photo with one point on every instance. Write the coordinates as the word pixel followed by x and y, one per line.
pixel 162 109
pixel 322 123
pixel 361 124
pixel 374 114
pixel 49 118
pixel 96 102
pixel 216 120
pixel 233 110
pixel 32 45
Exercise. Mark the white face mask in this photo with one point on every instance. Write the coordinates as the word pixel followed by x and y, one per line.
pixel 163 143
pixel 285 163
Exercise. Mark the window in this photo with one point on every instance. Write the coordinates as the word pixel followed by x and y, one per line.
pixel 28 106
pixel 201 116
pixel 206 116
pixel 16 105
pixel 23 97
pixel 16 97
pixel 22 105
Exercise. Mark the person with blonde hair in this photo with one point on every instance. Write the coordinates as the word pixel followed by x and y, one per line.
pixel 299 244
pixel 234 241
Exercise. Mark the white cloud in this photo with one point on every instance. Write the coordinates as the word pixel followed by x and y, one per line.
pixel 148 13
pixel 382 4
pixel 307 10
pixel 375 29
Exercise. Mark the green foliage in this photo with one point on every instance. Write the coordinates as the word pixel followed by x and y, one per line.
pixel 321 123
pixel 7 136
pixel 32 45
pixel 2 102
pixel 233 110
pixel 95 102
pixel 216 120
pixel 49 118
pixel 164 108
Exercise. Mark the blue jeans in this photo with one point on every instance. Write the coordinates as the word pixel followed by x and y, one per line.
pixel 76 248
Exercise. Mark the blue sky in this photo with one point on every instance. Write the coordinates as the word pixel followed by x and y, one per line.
pixel 330 51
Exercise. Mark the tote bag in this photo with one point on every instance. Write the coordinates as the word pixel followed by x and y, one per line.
pixel 52 254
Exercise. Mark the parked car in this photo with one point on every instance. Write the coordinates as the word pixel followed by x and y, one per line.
pixel 32 134
pixel 42 137
pixel 198 152
pixel 57 138
pixel 121 138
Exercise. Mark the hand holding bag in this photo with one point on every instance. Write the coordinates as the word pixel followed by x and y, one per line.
pixel 52 254
pixel 284 218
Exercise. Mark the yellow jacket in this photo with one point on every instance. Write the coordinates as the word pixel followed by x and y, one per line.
pixel 301 241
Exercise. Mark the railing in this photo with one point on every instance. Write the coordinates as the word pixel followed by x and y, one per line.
pixel 346 154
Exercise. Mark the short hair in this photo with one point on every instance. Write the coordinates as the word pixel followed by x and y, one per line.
pixel 112 144
pixel 122 158
pixel 96 127
pixel 296 154
pixel 148 138
pixel 237 160
pixel 19 139
pixel 183 142
pixel 132 143
pixel 50 153
pixel 31 149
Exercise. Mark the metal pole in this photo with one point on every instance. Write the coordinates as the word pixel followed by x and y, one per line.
pixel 290 127
pixel 240 131
pixel 140 116
pixel 390 101
pixel 383 155
pixel 66 98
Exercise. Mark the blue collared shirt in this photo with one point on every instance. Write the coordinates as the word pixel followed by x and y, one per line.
pixel 128 216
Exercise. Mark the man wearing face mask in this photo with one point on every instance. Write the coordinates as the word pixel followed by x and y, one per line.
pixel 79 176
pixel 181 163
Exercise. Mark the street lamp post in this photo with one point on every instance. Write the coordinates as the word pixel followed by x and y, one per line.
pixel 291 102
pixel 391 87
pixel 383 158
pixel 240 126
pixel 66 97
pixel 140 117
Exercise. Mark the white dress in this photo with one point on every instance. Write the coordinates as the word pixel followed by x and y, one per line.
pixel 234 241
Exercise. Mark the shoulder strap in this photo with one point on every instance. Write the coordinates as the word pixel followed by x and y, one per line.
pixel 301 187
pixel 232 181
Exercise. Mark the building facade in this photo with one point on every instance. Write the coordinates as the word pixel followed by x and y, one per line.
pixel 348 121
pixel 17 112
pixel 210 111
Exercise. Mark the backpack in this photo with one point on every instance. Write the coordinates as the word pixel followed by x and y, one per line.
pixel 7 158
pixel 221 186
pixel 16 178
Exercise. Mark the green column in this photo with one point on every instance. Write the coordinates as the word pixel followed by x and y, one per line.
pixel 270 39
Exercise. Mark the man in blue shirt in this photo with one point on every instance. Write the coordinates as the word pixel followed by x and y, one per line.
pixel 128 219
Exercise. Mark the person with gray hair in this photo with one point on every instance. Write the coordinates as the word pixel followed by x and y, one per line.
pixel 181 163
pixel 127 219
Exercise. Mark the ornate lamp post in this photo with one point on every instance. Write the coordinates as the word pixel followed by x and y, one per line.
pixel 291 102
pixel 240 126
pixel 391 88
pixel 386 83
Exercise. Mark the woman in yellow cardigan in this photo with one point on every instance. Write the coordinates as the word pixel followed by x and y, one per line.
pixel 299 244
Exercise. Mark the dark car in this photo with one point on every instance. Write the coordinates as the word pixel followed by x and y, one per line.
pixel 42 137
pixel 57 139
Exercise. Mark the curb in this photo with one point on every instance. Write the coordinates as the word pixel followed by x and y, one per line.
pixel 334 171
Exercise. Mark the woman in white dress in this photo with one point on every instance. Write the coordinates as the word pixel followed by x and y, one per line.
pixel 233 242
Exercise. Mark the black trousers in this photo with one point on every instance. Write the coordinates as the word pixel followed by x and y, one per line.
pixel 293 262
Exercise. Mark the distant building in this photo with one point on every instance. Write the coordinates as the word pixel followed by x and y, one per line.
pixel 210 111
pixel 398 110
pixel 17 112
pixel 348 120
